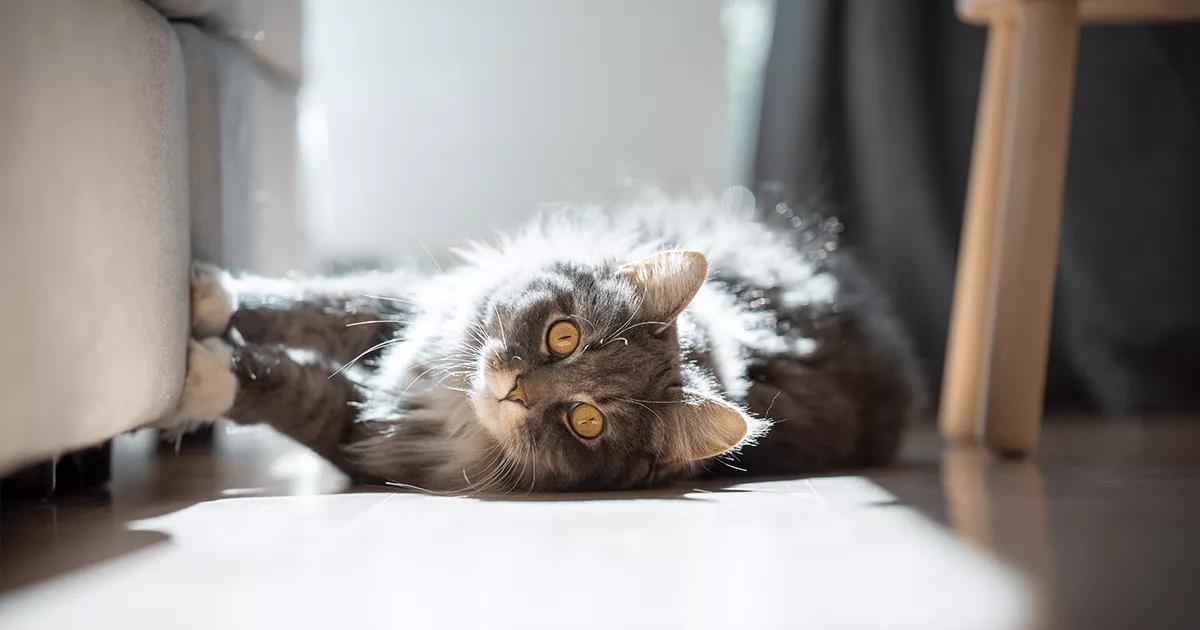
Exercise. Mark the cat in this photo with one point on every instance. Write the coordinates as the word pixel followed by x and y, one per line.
pixel 588 351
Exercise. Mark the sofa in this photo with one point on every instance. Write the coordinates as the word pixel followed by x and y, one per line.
pixel 133 136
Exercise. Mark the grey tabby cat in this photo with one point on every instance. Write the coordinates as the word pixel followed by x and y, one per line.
pixel 589 351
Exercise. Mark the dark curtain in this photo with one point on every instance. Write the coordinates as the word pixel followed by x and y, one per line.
pixel 868 112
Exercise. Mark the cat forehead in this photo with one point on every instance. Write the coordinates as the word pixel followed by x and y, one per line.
pixel 620 370
pixel 570 281
pixel 593 309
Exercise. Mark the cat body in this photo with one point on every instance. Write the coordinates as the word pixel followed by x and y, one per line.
pixel 589 350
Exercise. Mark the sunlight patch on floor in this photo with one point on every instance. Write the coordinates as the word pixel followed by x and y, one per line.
pixel 821 552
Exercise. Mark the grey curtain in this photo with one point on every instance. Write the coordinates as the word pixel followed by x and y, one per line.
pixel 868 113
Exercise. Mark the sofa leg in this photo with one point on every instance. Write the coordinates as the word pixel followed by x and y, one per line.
pixel 74 471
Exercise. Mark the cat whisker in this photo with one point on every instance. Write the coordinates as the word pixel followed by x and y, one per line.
pixel 496 465
pixel 479 334
pixel 506 480
pixel 387 299
pixel 439 360
pixel 727 464
pixel 409 486
pixel 633 313
pixel 493 479
pixel 441 381
pixel 457 370
pixel 629 328
pixel 643 407
pixel 768 411
pixel 591 325
pixel 500 322
pixel 427 252
pixel 461 368
pixel 532 456
pixel 375 321
pixel 419 376
pixel 653 402
pixel 524 465
pixel 360 356
pixel 495 452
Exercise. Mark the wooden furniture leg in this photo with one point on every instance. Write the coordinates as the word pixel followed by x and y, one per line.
pixel 1030 208
pixel 965 375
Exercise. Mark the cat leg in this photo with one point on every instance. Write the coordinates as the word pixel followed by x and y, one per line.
pixel 292 390
pixel 340 317
pixel 288 389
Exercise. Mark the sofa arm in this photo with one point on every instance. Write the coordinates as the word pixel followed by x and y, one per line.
pixel 93 223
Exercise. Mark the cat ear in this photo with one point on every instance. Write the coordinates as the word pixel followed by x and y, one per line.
pixel 667 282
pixel 703 426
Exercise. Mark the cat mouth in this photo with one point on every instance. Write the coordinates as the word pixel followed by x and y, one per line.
pixel 516 395
pixel 515 402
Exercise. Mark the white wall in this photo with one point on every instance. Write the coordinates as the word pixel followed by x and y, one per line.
pixel 442 121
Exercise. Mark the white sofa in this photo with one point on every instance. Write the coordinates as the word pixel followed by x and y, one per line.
pixel 126 140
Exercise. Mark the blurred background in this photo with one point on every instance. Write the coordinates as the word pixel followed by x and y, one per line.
pixel 446 121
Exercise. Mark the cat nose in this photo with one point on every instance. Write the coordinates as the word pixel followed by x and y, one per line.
pixel 517 393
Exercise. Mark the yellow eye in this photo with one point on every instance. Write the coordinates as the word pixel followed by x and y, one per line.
pixel 562 338
pixel 586 421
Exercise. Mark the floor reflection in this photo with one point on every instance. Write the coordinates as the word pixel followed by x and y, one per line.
pixel 1102 520
pixel 999 506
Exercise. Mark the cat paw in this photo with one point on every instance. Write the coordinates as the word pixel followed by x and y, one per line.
pixel 210 385
pixel 213 301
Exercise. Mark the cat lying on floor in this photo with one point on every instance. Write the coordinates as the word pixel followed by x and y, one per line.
pixel 588 351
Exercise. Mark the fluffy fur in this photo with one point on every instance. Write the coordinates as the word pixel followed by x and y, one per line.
pixel 706 337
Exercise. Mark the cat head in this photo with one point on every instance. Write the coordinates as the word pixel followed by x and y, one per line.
pixel 580 379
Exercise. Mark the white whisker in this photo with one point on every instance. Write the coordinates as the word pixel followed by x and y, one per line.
pixel 388 299
pixel 643 407
pixel 414 381
pixel 364 353
pixel 772 403
pixel 427 252
pixel 376 321
pixel 500 322
pixel 629 328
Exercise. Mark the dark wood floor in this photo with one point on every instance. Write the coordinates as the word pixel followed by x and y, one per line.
pixel 1100 530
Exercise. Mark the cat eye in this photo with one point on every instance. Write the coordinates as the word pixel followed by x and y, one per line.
pixel 562 338
pixel 586 421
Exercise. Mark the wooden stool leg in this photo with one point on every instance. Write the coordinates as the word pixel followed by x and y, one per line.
pixel 1039 116
pixel 965 373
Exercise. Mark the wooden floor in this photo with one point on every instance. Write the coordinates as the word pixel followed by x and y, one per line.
pixel 1101 531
